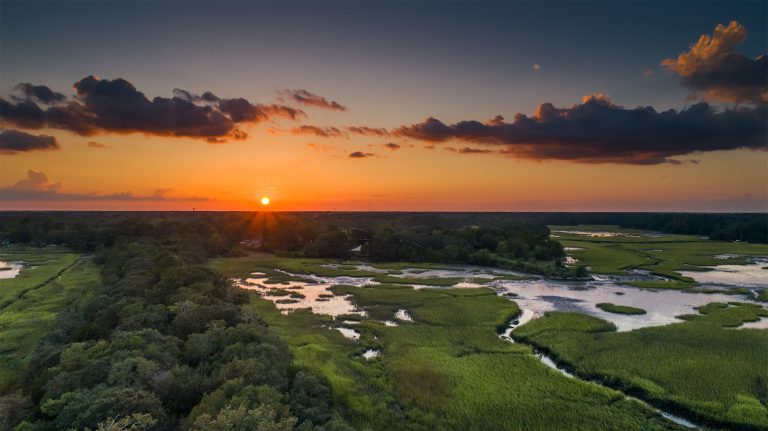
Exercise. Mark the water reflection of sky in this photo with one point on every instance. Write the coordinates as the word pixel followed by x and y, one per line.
pixel 317 296
pixel 759 324
pixel 662 306
pixel 10 269
pixel 535 297
pixel 750 275
pixel 598 234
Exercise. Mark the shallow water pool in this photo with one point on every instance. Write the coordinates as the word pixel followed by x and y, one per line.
pixel 10 269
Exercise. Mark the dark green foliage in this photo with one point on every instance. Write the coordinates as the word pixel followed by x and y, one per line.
pixel 158 339
pixel 330 243
pixel 482 239
pixel 467 244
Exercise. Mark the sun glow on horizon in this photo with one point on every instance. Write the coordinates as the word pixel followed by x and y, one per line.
pixel 265 200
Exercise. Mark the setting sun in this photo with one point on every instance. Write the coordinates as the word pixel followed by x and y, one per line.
pixel 265 200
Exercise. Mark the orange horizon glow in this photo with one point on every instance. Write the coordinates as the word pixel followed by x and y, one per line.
pixel 300 178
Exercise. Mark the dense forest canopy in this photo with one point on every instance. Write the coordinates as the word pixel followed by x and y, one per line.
pixel 382 237
pixel 164 342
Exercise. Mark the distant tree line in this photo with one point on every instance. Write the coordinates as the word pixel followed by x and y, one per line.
pixel 747 227
pixel 383 237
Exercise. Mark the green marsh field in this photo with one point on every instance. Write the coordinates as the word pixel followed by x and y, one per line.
pixel 52 279
pixel 447 368
pixel 662 255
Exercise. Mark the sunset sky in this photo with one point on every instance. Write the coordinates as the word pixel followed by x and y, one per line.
pixel 636 106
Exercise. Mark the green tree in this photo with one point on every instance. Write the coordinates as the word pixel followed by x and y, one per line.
pixel 261 418
pixel 134 422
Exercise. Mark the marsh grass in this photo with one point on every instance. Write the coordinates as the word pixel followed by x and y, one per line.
pixel 33 300
pixel 698 368
pixel 661 284
pixel 277 292
pixel 431 281
pixel 663 256
pixel 41 266
pixel 272 266
pixel 414 267
pixel 730 315
pixel 620 309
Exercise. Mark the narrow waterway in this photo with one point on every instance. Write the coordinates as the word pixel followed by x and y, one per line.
pixel 552 363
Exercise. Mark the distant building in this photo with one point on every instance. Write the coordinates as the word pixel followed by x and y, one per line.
pixel 358 236
pixel 357 251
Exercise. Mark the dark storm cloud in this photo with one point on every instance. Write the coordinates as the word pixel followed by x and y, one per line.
pixel 241 110
pixel 39 93
pixel 304 97
pixel 360 155
pixel 597 131
pixel 367 131
pixel 469 150
pixel 392 146
pixel 37 186
pixel 323 132
pixel 24 113
pixel 116 106
pixel 15 141
pixel 191 97
pixel 711 66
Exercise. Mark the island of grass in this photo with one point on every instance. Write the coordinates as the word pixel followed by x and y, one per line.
pixel 426 281
pixel 619 309
pixel 762 295
pixel 663 256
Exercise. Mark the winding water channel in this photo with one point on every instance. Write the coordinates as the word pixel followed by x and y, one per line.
pixel 562 369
